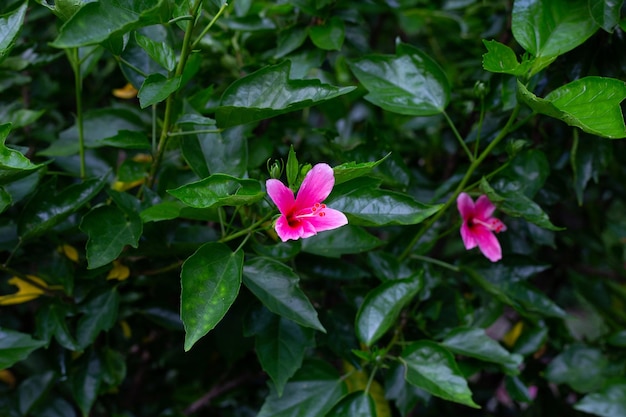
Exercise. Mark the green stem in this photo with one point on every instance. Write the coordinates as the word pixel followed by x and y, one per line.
pixel 371 379
pixel 475 164
pixel 193 132
pixel 208 27
pixel 169 102
pixel 457 135
pixel 436 262
pixel 247 231
pixel 480 126
pixel 78 91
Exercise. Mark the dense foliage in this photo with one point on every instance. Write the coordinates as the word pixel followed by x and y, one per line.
pixel 155 262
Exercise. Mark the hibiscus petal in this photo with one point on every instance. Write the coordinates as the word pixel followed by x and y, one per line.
pixel 285 231
pixel 468 237
pixel 484 208
pixel 465 204
pixel 332 219
pixel 281 195
pixel 317 185
pixel 308 229
pixel 487 243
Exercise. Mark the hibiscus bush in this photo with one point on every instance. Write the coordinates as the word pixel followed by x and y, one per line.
pixel 312 208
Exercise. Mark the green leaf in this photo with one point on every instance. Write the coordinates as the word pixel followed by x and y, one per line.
pixel 409 82
pixel 63 9
pixel 210 281
pixel 609 402
pixel 280 346
pixel 16 346
pixel 369 206
pixel 103 127
pixel 345 240
pixel 592 104
pixel 99 21
pixel 224 152
pixel 219 190
pixel 382 306
pixel 276 285
pixel 606 13
pixel 551 28
pixel 161 52
pixel 45 211
pixel 33 389
pixel 292 168
pixel 157 88
pixel 351 170
pixel 433 368
pixel 109 230
pixel 51 322
pixel 269 92
pixel 329 35
pixel 355 404
pixel 313 391
pixel 502 59
pixel 13 165
pixel 582 368
pixel 99 314
pixel 10 25
pixel 476 344
pixel 86 381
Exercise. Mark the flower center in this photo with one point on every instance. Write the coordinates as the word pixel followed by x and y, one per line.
pixel 491 224
pixel 316 210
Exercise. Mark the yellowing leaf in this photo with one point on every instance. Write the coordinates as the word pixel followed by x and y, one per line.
pixel 143 157
pixel 126 92
pixel 26 290
pixel 510 338
pixel 69 251
pixel 7 377
pixel 123 186
pixel 126 329
pixel 119 272
pixel 357 381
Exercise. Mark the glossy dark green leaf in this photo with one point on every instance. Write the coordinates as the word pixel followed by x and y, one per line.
pixel 606 13
pixel 329 35
pixel 409 82
pixel 516 389
pixel 276 285
pixel 355 404
pixel 589 158
pixel 582 368
pixel 433 368
pixel 10 25
pixel 109 230
pixel 502 59
pixel 161 52
pixel 13 165
pixel 382 306
pixel 51 321
pixel 99 21
pixel 219 190
pixel 5 199
pixel 86 381
pixel 280 347
pixel 404 395
pixel 100 313
pixel 214 152
pixel 351 170
pixel 289 40
pixel 531 339
pixel 113 367
pixel 269 92
pixel 63 9
pixel 313 391
pixel 103 127
pixel 590 103
pixel 608 402
pixel 157 88
pixel 476 344
pixel 57 407
pixel 369 206
pixel 551 28
pixel 32 389
pixel 345 240
pixel 210 281
pixel 16 346
pixel 46 211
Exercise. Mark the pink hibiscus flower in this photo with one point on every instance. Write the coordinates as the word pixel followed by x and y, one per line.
pixel 305 215
pixel 479 226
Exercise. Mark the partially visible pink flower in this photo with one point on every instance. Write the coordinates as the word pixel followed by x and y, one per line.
pixel 479 226
pixel 305 215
